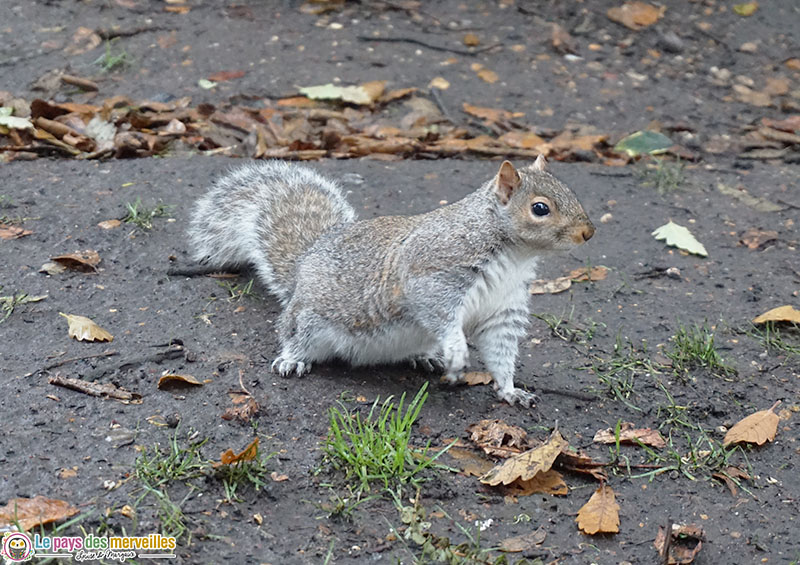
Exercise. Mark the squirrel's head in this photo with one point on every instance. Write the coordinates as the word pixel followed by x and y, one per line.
pixel 544 213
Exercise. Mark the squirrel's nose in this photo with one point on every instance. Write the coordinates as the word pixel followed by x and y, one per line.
pixel 587 232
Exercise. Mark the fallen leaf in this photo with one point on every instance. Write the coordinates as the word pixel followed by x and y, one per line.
pixel 576 462
pixel 12 232
pixel 354 94
pixel 471 463
pixel 278 478
pixel 67 473
pixel 109 224
pixel 754 239
pixel 526 465
pixel 243 409
pixel 629 434
pixel 740 194
pixel 780 314
pixel 728 475
pixel 490 114
pixel 757 428
pixel 440 83
pixel 753 97
pixel 498 438
pixel 206 84
pixel 83 329
pixel 686 542
pixel 552 286
pixel 488 76
pixel 32 512
pixel 636 15
pixel 473 378
pixel 84 261
pixel 222 76
pixel 746 9
pixel 521 139
pixel 471 40
pixel 600 514
pixel 171 380
pixel 249 453
pixel 13 122
pixel 547 482
pixel 592 274
pixel 83 40
pixel 525 542
pixel 644 143
pixel 678 236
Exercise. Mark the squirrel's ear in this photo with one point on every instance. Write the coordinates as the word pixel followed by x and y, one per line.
pixel 506 181
pixel 540 164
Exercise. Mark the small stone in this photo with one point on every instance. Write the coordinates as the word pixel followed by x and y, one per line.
pixel 670 42
pixel 673 272
pixel 748 47
pixel 605 218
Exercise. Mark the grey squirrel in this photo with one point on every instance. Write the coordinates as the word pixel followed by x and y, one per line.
pixel 392 288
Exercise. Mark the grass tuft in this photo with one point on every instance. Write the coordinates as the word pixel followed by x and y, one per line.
pixel 692 347
pixel 142 216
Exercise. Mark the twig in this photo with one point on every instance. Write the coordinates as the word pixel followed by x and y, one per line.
pixel 442 108
pixel 568 393
pixel 71 359
pixel 788 204
pixel 667 542
pixel 106 390
pixel 82 83
pixel 107 34
pixel 470 53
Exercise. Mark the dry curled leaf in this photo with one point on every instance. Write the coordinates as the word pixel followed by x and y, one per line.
pixel 576 462
pixel 757 428
pixel 477 378
pixel 591 274
pixel 243 409
pixel 83 261
pixel 249 453
pixel 755 239
pixel 32 512
pixel 490 114
pixel 84 329
pixel 12 232
pixel 471 462
pixel 526 465
pixel 171 381
pixel 780 314
pixel 728 475
pixel 496 437
pixel 550 286
pixel 525 542
pixel 600 514
pixel 686 542
pixel 636 15
pixel 629 434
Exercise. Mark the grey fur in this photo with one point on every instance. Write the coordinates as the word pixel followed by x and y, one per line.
pixel 396 287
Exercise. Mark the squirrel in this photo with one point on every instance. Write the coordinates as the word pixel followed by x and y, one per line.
pixel 393 288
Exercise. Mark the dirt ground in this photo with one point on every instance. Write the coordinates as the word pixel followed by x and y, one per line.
pixel 619 87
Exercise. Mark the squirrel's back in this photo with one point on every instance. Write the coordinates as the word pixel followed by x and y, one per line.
pixel 266 215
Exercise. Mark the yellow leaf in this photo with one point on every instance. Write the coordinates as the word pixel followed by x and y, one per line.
pixel 746 9
pixel 526 465
pixel 757 428
pixel 781 314
pixel 547 482
pixel 169 380
pixel 248 454
pixel 83 329
pixel 600 514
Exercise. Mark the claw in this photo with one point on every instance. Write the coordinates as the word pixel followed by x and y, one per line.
pixel 286 367
pixel 518 396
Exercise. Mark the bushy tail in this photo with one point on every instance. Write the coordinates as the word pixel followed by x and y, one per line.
pixel 266 215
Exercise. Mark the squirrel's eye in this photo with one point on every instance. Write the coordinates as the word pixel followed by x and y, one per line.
pixel 541 209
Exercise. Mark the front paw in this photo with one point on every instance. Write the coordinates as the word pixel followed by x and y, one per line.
pixel 428 364
pixel 518 396
pixel 453 378
pixel 285 367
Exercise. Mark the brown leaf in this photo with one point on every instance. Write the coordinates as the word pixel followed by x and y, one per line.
pixel 222 76
pixel 249 453
pixel 173 381
pixel 600 514
pixel 780 314
pixel 552 286
pixel 490 114
pixel 83 40
pixel 84 329
pixel 498 438
pixel 629 434
pixel 757 428
pixel 727 477
pixel 753 238
pixel 12 232
pixel 83 261
pixel 244 408
pixel 397 94
pixel 32 512
pixel 487 75
pixel 521 139
pixel 525 542
pixel 576 462
pixel 109 224
pixel 526 465
pixel 753 97
pixel 471 40
pixel 636 15
pixel 686 542
pixel 548 482
pixel 593 274
pixel 471 463
pixel 473 378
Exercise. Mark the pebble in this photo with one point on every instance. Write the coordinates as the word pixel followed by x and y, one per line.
pixel 748 47
pixel 670 42
pixel 605 218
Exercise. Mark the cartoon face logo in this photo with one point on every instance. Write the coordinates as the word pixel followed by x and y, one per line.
pixel 17 547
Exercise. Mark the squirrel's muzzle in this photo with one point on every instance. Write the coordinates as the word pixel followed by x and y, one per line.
pixel 582 234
